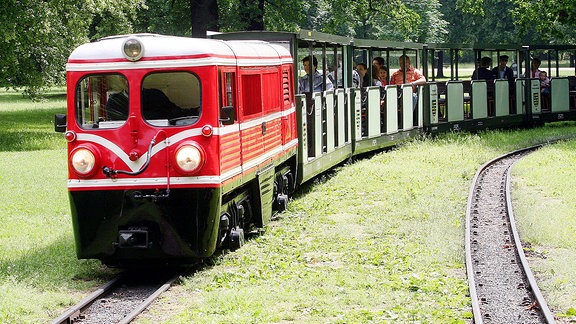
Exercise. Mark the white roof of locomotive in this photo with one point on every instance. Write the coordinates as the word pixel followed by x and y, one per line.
pixel 171 51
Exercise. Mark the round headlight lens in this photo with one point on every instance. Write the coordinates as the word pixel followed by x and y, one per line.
pixel 133 49
pixel 83 161
pixel 189 158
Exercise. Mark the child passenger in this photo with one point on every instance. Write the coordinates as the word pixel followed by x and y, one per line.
pixel 544 83
pixel 382 80
pixel 544 89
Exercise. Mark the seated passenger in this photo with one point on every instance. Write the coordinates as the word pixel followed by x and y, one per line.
pixel 504 72
pixel 544 83
pixel 544 89
pixel 382 80
pixel 117 106
pixel 407 74
pixel 377 63
pixel 483 72
pixel 317 78
pixel 535 68
pixel 364 78
pixel 156 105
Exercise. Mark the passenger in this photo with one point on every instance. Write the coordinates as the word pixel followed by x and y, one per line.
pixel 544 83
pixel 504 72
pixel 156 105
pixel 382 83
pixel 377 63
pixel 355 78
pixel 336 75
pixel 544 89
pixel 407 74
pixel 317 77
pixel 483 72
pixel 363 74
pixel 382 77
pixel 117 103
pixel 535 68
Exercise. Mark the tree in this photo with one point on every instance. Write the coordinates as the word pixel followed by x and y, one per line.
pixel 36 37
pixel 204 16
pixel 165 17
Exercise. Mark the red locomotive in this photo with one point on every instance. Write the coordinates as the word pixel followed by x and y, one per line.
pixel 176 145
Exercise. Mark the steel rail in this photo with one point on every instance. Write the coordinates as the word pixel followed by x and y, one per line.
pixel 477 314
pixel 73 312
pixel 138 310
pixel 548 315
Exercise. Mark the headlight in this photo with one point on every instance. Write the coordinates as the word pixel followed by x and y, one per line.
pixel 132 49
pixel 83 161
pixel 189 158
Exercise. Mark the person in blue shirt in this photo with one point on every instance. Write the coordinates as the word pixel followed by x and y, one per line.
pixel 317 77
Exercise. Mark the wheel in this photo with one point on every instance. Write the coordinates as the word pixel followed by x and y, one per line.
pixel 236 238
pixel 281 202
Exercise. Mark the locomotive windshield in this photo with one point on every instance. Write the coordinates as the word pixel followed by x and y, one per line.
pixel 167 99
pixel 171 98
pixel 102 99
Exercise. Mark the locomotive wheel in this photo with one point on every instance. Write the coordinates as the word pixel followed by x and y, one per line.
pixel 282 202
pixel 236 238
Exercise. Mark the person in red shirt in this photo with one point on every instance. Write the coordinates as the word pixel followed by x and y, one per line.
pixel 407 74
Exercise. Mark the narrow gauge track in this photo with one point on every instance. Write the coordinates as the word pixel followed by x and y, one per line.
pixel 120 300
pixel 502 287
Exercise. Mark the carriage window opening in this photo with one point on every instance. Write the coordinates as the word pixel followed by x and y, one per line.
pixel 171 98
pixel 227 98
pixel 229 89
pixel 102 101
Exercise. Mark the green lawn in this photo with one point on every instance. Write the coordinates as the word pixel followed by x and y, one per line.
pixel 545 187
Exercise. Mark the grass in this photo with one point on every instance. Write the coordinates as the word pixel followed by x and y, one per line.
pixel 544 199
pixel 39 272
pixel 27 125
pixel 379 240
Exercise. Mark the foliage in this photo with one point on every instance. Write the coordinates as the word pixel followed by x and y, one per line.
pixel 553 19
pixel 36 37
pixel 164 17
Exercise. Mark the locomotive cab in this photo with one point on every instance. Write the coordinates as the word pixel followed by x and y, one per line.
pixel 165 156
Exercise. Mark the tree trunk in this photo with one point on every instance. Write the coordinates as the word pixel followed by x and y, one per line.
pixel 204 16
pixel 252 14
pixel 440 73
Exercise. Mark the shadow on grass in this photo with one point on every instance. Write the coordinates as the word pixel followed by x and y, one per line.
pixel 29 130
pixel 55 267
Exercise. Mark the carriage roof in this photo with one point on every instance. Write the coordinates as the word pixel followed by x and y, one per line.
pixel 172 51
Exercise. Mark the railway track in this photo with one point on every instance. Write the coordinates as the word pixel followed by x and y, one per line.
pixel 120 300
pixel 502 287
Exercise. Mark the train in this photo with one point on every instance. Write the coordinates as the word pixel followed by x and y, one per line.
pixel 179 147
